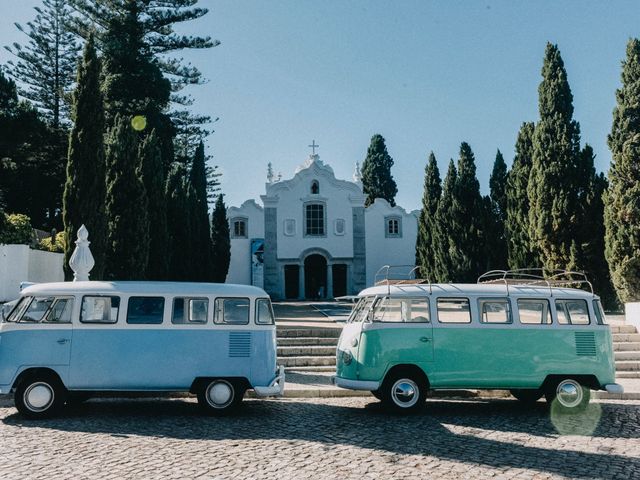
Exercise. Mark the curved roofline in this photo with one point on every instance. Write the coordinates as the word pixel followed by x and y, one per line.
pixel 147 288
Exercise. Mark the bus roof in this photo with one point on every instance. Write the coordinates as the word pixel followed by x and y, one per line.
pixel 474 289
pixel 144 288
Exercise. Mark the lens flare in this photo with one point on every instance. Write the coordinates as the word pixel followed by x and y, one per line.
pixel 575 423
pixel 139 122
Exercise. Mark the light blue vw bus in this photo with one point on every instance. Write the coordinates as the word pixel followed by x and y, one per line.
pixel 68 341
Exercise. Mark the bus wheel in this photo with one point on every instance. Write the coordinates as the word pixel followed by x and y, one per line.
pixel 404 392
pixel 527 395
pixel 219 396
pixel 568 395
pixel 39 396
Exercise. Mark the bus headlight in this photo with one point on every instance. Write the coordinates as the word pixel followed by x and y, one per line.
pixel 346 357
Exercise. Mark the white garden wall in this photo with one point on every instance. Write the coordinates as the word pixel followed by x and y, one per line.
pixel 19 263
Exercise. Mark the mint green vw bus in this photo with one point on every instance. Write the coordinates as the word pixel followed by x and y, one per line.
pixel 513 330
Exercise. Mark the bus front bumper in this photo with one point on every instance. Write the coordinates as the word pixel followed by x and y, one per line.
pixel 355 384
pixel 614 388
pixel 275 388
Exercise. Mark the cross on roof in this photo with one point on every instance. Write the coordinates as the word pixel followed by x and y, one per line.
pixel 313 146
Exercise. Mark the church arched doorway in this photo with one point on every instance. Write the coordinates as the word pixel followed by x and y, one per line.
pixel 315 276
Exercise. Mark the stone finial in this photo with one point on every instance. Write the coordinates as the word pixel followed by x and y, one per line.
pixel 81 261
pixel 357 175
pixel 270 175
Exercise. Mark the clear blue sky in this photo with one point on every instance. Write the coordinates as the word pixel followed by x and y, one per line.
pixel 427 75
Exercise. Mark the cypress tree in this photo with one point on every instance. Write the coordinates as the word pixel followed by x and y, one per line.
pixel 221 244
pixel 496 210
pixel 179 224
pixel 622 200
pixel 126 206
pixel 201 233
pixel 467 220
pixel 444 244
pixel 154 183
pixel 377 181
pixel 46 66
pixel 519 245
pixel 554 212
pixel 425 252
pixel 84 193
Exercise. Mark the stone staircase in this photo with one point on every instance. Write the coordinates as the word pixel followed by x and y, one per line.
pixel 626 346
pixel 308 349
pixel 314 349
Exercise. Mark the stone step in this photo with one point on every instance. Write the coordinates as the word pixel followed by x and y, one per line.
pixel 623 329
pixel 630 374
pixel 292 332
pixel 629 355
pixel 312 368
pixel 626 337
pixel 625 366
pixel 626 346
pixel 314 351
pixel 307 361
pixel 307 341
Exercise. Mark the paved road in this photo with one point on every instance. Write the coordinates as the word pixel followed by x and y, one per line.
pixel 348 438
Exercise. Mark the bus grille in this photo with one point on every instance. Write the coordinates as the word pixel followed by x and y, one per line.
pixel 585 344
pixel 239 344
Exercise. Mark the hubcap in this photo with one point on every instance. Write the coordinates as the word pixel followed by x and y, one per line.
pixel 220 394
pixel 405 393
pixel 38 397
pixel 569 393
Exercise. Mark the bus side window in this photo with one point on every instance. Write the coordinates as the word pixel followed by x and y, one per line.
pixel 574 312
pixel 401 310
pixel 495 310
pixel 264 313
pixel 454 310
pixel 232 311
pixel 100 309
pixel 37 310
pixel 190 310
pixel 597 307
pixel 61 311
pixel 145 310
pixel 534 312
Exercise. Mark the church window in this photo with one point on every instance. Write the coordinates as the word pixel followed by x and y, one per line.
pixel 290 227
pixel 239 228
pixel 339 226
pixel 393 227
pixel 315 187
pixel 314 217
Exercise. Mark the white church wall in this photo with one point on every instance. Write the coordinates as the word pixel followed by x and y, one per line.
pixel 19 263
pixel 384 248
pixel 240 264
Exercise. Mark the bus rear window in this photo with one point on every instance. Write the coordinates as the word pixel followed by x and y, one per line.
pixel 264 314
pixel 597 307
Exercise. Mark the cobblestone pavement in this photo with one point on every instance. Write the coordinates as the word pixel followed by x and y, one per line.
pixel 346 438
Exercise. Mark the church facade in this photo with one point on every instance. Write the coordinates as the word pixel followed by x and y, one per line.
pixel 312 237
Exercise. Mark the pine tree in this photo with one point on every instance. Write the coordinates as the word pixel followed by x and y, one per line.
pixel 154 183
pixel 520 253
pixel 201 234
pixel 444 243
pixel 126 206
pixel 496 211
pixel 179 224
pixel 622 200
pixel 85 189
pixel 377 181
pixel 554 208
pixel 47 64
pixel 425 252
pixel 221 244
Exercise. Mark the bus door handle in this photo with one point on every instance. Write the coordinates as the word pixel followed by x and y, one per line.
pixel 424 339
pixel 62 341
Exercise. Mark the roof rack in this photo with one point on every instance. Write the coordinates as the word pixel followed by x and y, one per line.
pixel 399 275
pixel 536 277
